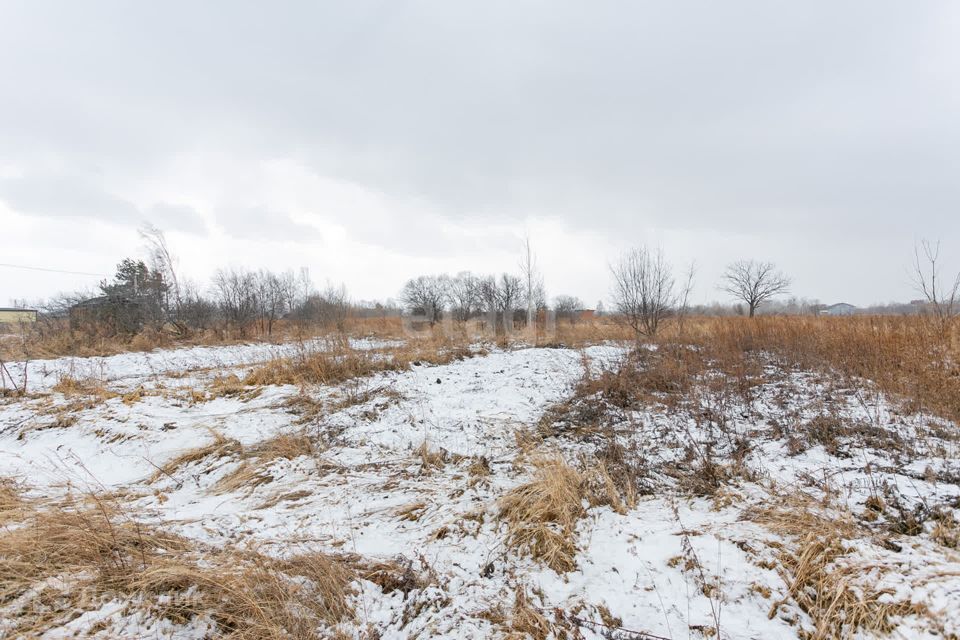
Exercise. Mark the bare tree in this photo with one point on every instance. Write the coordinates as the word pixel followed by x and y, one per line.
pixel 567 307
pixel 196 311
pixel 274 293
pixel 235 291
pixel 683 298
pixel 162 261
pixel 534 294
pixel 465 296
pixel 335 307
pixel 942 297
pixel 427 295
pixel 329 308
pixel 643 290
pixel 754 282
pixel 509 295
pixel 487 296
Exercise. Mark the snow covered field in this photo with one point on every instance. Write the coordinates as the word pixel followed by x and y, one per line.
pixel 413 468
pixel 125 371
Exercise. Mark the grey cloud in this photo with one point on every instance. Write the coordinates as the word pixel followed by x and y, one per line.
pixel 690 109
pixel 61 196
pixel 53 195
pixel 806 123
pixel 261 223
pixel 175 217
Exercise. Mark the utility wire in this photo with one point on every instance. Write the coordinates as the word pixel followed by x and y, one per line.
pixel 76 273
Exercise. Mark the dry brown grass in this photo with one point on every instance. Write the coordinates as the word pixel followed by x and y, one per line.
pixel 526 621
pixel 718 363
pixel 220 447
pixel 431 459
pixel 398 574
pixel 341 363
pixel 254 460
pixel 412 512
pixel 587 332
pixel 12 502
pixel 85 387
pixel 542 514
pixel 230 386
pixel 824 575
pixel 908 357
pixel 253 470
pixel 97 552
pixel 51 338
pixel 829 587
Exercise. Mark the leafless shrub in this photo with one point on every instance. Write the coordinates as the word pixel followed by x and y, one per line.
pixel 644 290
pixel 942 298
pixel 235 291
pixel 567 308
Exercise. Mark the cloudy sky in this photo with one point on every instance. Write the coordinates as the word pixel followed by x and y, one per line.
pixel 375 140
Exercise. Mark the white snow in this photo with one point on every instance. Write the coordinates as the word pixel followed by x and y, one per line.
pixel 346 498
pixel 128 370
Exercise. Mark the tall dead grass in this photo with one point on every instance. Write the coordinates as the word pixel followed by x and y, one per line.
pixel 908 357
pixel 542 514
pixel 824 576
pixel 11 501
pixel 586 332
pixel 53 337
pixel 95 551
pixel 332 366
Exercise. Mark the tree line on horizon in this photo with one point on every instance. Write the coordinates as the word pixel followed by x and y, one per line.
pixel 646 291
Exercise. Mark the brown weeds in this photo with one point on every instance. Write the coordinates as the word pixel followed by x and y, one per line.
pixel 95 551
pixel 219 448
pixel 255 460
pixel 824 577
pixel 542 514
pixel 345 363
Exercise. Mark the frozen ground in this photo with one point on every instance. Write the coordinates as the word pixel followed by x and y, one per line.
pixel 393 477
pixel 125 371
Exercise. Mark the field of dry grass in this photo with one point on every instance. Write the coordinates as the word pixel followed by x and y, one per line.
pixel 734 478
pixel 54 338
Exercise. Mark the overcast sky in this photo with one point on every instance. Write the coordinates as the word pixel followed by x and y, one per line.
pixel 373 141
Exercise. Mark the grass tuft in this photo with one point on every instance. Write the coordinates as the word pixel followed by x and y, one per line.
pixel 542 514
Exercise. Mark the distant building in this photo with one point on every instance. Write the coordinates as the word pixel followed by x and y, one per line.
pixel 112 313
pixel 11 315
pixel 585 314
pixel 839 309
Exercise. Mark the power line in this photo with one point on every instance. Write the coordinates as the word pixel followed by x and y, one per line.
pixel 76 273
